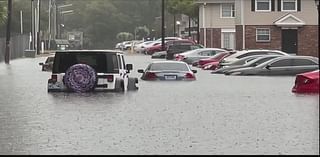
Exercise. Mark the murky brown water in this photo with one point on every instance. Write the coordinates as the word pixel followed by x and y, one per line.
pixel 216 114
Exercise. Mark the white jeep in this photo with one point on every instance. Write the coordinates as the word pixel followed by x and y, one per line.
pixel 90 70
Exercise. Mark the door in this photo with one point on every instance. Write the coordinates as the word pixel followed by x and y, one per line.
pixel 290 41
pixel 228 40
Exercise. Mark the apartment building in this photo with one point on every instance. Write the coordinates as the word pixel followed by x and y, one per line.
pixel 287 25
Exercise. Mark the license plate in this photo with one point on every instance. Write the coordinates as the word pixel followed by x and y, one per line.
pixel 170 77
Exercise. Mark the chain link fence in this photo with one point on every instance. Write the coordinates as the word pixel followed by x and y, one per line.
pixel 17 46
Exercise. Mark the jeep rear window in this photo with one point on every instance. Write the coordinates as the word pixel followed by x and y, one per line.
pixel 101 62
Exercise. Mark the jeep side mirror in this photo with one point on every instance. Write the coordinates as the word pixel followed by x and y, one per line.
pixel 140 71
pixel 129 67
pixel 194 71
pixel 41 64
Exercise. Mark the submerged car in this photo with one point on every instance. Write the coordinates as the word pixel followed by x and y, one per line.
pixel 216 58
pixel 246 53
pixel 48 64
pixel 307 82
pixel 221 66
pixel 168 70
pixel 251 63
pixel 160 54
pixel 90 70
pixel 284 65
pixel 195 55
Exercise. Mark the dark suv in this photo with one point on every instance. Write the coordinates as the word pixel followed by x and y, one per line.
pixel 179 48
pixel 88 70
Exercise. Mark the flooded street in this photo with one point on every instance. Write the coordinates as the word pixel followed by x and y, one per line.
pixel 216 114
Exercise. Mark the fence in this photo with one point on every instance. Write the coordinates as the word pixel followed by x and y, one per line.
pixel 17 46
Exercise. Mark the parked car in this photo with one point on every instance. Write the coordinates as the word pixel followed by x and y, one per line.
pixel 89 70
pixel 245 53
pixel 307 82
pixel 216 58
pixel 195 55
pixel 176 49
pixel 151 50
pixel 160 54
pixel 168 70
pixel 140 48
pixel 220 67
pixel 48 64
pixel 252 63
pixel 284 65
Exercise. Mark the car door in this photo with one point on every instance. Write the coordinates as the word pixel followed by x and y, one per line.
pixel 303 65
pixel 279 67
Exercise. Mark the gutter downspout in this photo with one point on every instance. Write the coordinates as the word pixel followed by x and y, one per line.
pixel 204 27
pixel 243 27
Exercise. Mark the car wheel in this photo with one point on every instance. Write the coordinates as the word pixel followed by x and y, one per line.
pixel 80 78
pixel 132 82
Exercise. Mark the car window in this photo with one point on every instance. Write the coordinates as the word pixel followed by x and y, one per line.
pixel 101 62
pixel 168 67
pixel 260 61
pixel 302 62
pixel 119 62
pixel 282 63
pixel 123 62
pixel 249 54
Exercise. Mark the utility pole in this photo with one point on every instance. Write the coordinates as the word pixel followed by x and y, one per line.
pixel 33 39
pixel 38 30
pixel 162 27
pixel 21 22
pixel 49 25
pixel 7 52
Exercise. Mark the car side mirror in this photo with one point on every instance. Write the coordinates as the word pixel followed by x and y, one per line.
pixel 140 71
pixel 41 64
pixel 194 71
pixel 129 67
pixel 268 67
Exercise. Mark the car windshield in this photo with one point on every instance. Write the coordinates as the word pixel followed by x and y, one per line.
pixel 101 62
pixel 168 67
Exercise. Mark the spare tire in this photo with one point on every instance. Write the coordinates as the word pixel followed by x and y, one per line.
pixel 80 78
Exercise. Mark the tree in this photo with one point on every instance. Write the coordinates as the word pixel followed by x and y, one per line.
pixel 3 12
pixel 124 36
pixel 142 32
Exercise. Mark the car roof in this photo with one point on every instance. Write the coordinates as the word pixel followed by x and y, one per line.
pixel 290 57
pixel 238 53
pixel 83 51
pixel 169 62
pixel 311 75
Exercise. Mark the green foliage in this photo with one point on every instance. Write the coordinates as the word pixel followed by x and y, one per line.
pixel 124 36
pixel 142 32
pixel 3 12
pixel 187 7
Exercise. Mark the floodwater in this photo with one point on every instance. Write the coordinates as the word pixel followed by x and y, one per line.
pixel 216 114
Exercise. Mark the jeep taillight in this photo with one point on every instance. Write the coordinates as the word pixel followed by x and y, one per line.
pixel 109 78
pixel 54 78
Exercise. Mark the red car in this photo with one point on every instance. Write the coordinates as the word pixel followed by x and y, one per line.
pixel 216 58
pixel 307 82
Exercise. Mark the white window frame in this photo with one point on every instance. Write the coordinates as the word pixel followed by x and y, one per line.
pixel 256 6
pixel 296 6
pixel 257 29
pixel 232 11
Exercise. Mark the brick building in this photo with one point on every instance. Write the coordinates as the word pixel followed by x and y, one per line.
pixel 287 25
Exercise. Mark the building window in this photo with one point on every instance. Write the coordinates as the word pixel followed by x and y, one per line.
pixel 263 5
pixel 227 10
pixel 263 35
pixel 289 5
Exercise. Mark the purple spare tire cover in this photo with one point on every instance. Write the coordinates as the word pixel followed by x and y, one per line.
pixel 80 78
